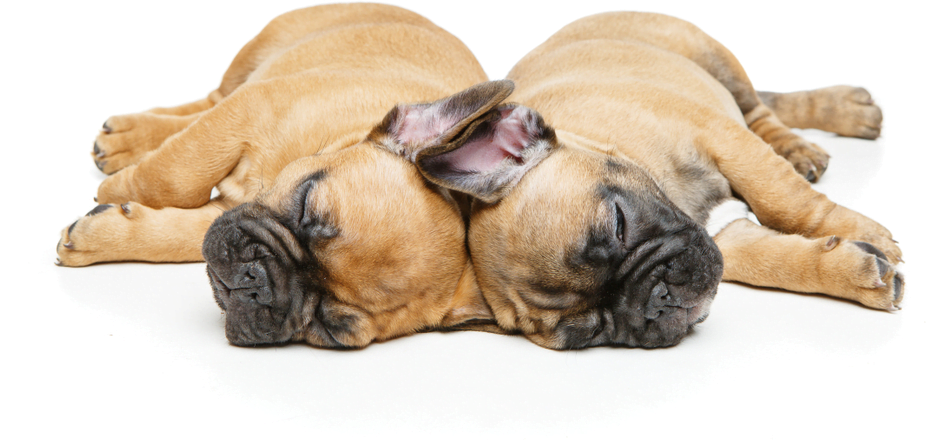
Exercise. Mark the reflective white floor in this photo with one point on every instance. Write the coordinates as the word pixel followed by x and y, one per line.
pixel 137 350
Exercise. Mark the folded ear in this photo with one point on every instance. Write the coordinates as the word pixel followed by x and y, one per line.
pixel 491 155
pixel 467 142
pixel 410 128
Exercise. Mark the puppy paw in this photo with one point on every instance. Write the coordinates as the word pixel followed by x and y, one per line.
pixel 859 271
pixel 848 111
pixel 98 236
pixel 809 160
pixel 125 140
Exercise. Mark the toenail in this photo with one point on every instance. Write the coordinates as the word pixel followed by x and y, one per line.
pixel 125 208
pixel 69 245
pixel 106 128
pixel 100 165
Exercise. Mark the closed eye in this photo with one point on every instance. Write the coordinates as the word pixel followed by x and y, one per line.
pixel 302 195
pixel 619 223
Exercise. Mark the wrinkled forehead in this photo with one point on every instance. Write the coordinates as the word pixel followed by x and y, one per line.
pixel 567 193
pixel 346 180
pixel 567 204
pixel 361 191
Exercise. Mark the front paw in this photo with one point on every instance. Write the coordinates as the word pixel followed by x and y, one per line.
pixel 96 237
pixel 847 223
pixel 859 271
pixel 125 140
pixel 809 160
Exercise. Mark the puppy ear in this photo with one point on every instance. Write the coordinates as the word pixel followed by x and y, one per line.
pixel 410 128
pixel 491 155
pixel 466 142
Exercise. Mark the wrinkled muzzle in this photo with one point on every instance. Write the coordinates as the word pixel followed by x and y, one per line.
pixel 660 291
pixel 667 288
pixel 250 267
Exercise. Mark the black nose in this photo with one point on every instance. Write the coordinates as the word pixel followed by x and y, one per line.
pixel 660 299
pixel 249 275
pixel 683 273
pixel 246 282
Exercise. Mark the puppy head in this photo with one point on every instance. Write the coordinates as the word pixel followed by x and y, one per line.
pixel 354 246
pixel 575 248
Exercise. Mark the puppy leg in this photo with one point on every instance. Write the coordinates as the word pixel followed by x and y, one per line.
pixel 807 158
pixel 833 266
pixel 685 39
pixel 124 140
pixel 134 232
pixel 182 172
pixel 790 205
pixel 845 110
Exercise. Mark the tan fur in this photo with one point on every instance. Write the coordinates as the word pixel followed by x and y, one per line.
pixel 401 270
pixel 314 81
pixel 644 93
pixel 654 92
pixel 761 256
pixel 845 110
pixel 692 116
pixel 301 97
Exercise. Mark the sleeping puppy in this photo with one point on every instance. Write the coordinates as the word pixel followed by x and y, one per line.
pixel 347 243
pixel 590 235
pixel 349 248
pixel 636 133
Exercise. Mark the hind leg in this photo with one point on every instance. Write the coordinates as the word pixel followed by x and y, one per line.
pixel 683 38
pixel 844 110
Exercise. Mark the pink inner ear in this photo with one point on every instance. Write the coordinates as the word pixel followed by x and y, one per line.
pixel 506 138
pixel 422 123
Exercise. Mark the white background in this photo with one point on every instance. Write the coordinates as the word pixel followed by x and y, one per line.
pixel 138 350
